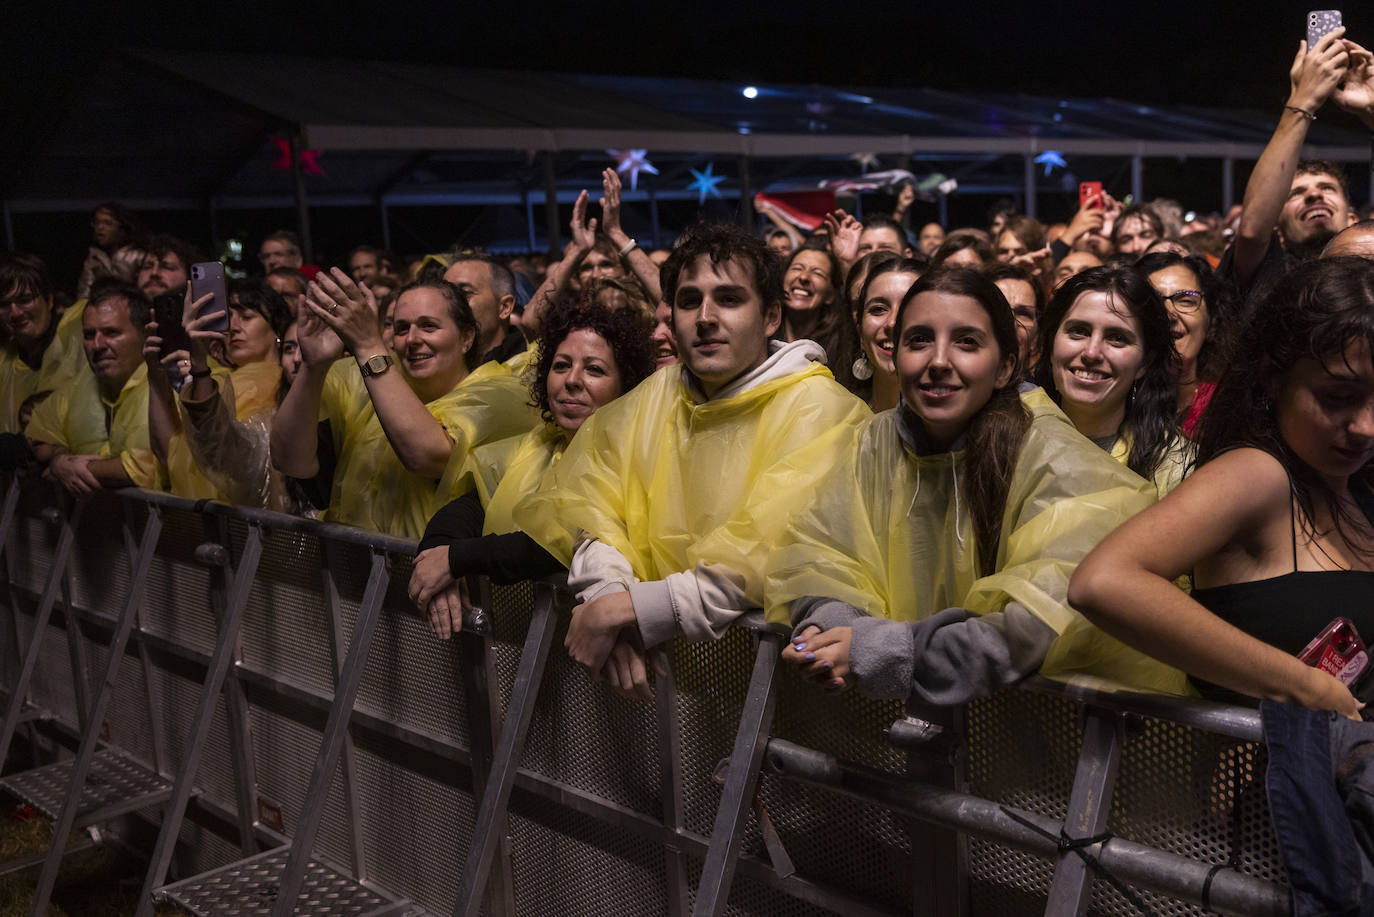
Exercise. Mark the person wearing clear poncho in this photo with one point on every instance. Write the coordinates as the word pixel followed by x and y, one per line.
pixel 935 562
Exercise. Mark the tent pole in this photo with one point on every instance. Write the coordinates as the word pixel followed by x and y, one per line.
pixel 302 208
pixel 551 206
pixel 1028 169
pixel 653 216
pixel 529 216
pixel 1228 184
pixel 384 212
pixel 1138 178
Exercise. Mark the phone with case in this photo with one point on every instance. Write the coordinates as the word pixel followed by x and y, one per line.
pixel 208 277
pixel 1319 22
pixel 1086 191
pixel 1339 651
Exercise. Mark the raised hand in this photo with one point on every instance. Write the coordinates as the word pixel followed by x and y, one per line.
pixel 844 235
pixel 1316 73
pixel 349 310
pixel 583 229
pixel 1356 94
pixel 610 202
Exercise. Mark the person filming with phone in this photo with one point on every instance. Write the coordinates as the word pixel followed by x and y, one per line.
pixel 1292 206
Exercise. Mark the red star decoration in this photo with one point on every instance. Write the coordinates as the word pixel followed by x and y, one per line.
pixel 309 158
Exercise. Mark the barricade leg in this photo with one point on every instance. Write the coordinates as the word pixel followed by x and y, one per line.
pixel 727 834
pixel 1090 805
pixel 12 660
pixel 670 770
pixel 939 856
pixel 226 645
pixel 57 575
pixel 337 650
pixel 491 816
pixel 140 564
pixel 340 712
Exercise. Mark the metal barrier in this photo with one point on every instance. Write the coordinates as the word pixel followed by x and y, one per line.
pixel 321 741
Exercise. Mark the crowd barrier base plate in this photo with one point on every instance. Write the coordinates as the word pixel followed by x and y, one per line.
pixel 116 785
pixel 248 888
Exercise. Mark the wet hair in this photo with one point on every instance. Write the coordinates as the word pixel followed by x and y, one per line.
pixel 293 241
pixel 1029 231
pixel 502 280
pixel 1221 304
pixel 625 330
pixel 254 295
pixel 23 274
pixel 166 244
pixel 140 306
pixel 458 310
pixel 723 242
pixel 960 239
pixel 1141 211
pixel 860 268
pixel 1002 270
pixel 292 274
pixel 995 433
pixel 131 229
pixel 1326 167
pixel 1151 416
pixel 1317 310
pixel 636 296
pixel 834 329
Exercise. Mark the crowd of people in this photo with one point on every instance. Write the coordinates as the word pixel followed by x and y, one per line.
pixel 1124 449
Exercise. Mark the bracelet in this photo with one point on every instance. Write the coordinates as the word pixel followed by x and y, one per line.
pixel 200 373
pixel 1302 111
pixel 629 247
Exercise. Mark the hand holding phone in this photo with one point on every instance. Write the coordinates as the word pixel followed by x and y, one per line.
pixel 1319 22
pixel 1339 651
pixel 1087 190
pixel 208 277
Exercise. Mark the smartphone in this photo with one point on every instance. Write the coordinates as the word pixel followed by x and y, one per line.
pixel 1338 650
pixel 208 277
pixel 1319 22
pixel 1086 189
pixel 167 313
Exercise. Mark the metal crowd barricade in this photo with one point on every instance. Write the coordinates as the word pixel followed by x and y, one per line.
pixel 330 756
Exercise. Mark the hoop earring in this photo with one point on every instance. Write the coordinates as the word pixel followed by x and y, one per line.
pixel 862 369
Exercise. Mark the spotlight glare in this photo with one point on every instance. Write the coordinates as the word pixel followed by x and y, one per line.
pixel 750 92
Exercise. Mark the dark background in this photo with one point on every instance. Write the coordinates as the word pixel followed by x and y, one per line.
pixel 1162 53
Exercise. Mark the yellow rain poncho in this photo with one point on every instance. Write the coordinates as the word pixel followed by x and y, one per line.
pixel 524 467
pixel 890 533
pixel 1171 467
pixel 222 451
pixel 78 419
pixel 673 484
pixel 63 361
pixel 372 489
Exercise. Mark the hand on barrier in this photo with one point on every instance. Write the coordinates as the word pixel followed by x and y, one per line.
pixel 74 473
pixel 626 668
pixel 595 627
pixel 434 591
pixel 823 655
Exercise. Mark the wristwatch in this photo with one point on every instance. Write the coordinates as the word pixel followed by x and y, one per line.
pixel 375 365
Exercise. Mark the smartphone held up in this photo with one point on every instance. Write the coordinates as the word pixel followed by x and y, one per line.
pixel 208 277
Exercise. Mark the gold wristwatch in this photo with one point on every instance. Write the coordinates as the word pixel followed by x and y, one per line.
pixel 375 365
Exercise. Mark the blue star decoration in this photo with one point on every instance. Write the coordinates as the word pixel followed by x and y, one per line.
pixel 704 183
pixel 1051 158
pixel 634 162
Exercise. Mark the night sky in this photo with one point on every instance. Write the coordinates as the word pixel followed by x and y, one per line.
pixel 1161 52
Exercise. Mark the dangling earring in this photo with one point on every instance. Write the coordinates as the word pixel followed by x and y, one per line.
pixel 861 369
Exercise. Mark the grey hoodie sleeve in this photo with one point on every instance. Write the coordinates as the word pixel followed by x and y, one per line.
pixel 946 659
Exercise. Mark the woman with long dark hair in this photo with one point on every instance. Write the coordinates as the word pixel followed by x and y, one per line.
pixel 1277 521
pixel 1107 359
pixel 936 559
pixel 813 308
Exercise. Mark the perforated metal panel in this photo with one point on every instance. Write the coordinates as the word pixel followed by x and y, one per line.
pixel 284 754
pixel 54 685
pixel 113 781
pixel 416 830
pixel 176 597
pixel 575 866
pixel 285 631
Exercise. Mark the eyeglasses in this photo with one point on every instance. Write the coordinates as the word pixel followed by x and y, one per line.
pixel 1184 300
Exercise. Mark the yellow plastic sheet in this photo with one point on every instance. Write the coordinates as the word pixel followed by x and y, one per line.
pixel 890 534
pixel 534 454
pixel 672 484
pixel 83 423
pixel 373 489
pixel 227 460
pixel 62 362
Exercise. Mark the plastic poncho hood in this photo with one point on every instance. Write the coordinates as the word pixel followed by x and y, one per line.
pixel 672 482
pixel 890 533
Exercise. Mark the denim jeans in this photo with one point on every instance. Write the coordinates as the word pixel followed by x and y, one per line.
pixel 1321 796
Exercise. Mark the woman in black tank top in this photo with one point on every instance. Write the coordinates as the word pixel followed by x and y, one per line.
pixel 1276 523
